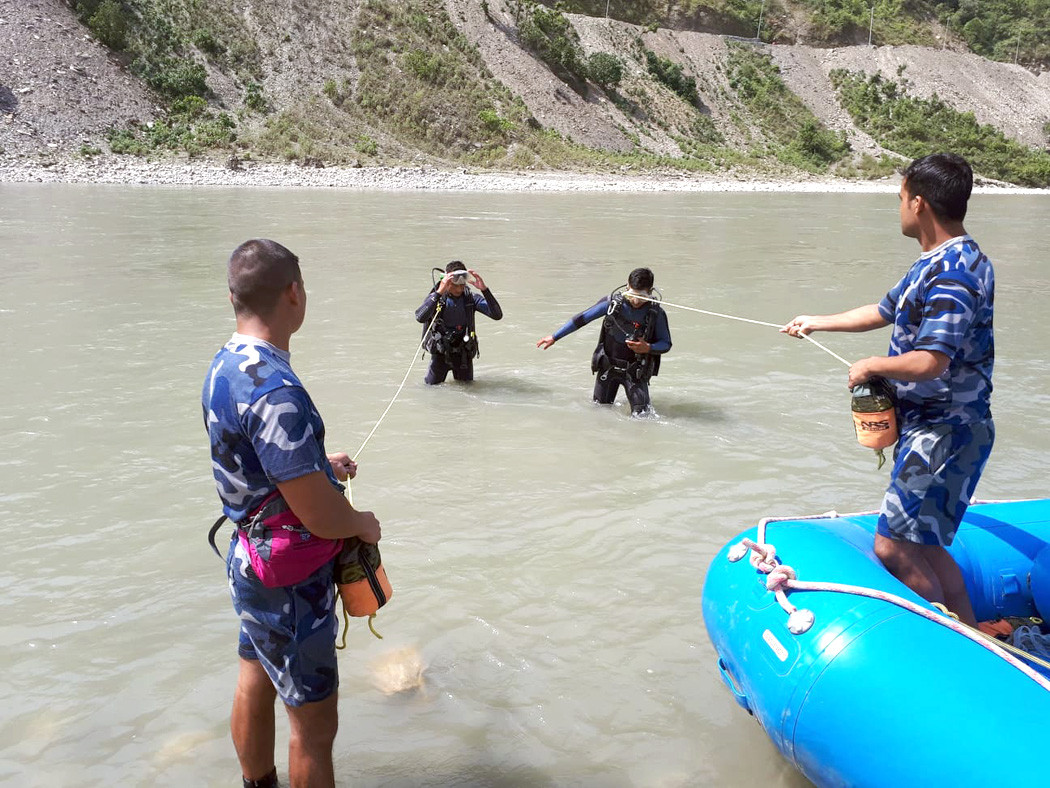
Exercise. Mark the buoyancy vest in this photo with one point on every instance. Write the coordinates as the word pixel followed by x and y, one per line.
pixel 613 353
pixel 455 344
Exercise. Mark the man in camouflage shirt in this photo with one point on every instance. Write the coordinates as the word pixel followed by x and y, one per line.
pixel 940 362
pixel 267 443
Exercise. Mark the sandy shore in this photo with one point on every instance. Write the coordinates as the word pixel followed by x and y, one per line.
pixel 186 172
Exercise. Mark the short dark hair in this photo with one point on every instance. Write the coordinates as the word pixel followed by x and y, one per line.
pixel 944 180
pixel 641 279
pixel 455 265
pixel 258 272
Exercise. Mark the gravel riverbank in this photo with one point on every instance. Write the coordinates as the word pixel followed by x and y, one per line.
pixel 204 173
pixel 124 170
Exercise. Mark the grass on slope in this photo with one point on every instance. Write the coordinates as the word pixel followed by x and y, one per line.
pixel 997 29
pixel 916 127
pixel 794 134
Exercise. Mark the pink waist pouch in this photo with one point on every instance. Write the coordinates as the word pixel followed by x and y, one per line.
pixel 282 551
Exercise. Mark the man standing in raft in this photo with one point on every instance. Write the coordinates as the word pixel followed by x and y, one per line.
pixel 940 363
pixel 633 337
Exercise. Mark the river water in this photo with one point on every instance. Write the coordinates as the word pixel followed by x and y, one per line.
pixel 547 555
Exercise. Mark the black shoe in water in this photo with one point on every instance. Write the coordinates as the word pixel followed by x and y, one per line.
pixel 269 781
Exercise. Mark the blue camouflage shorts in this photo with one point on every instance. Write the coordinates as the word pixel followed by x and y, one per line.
pixel 935 473
pixel 290 630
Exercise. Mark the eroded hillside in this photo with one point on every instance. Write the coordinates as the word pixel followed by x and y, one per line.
pixel 456 82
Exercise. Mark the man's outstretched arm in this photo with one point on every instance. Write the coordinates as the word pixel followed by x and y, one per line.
pixel 863 318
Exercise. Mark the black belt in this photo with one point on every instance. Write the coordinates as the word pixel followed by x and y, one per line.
pixel 275 505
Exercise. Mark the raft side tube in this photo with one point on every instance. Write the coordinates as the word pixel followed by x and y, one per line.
pixel 874 694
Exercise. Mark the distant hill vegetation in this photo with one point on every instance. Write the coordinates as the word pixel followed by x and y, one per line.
pixel 516 83
pixel 1005 30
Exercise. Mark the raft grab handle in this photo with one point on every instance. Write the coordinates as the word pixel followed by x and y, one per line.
pixel 730 682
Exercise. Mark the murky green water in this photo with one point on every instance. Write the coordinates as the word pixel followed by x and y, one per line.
pixel 547 555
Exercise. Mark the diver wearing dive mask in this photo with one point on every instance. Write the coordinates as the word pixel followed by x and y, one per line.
pixel 449 310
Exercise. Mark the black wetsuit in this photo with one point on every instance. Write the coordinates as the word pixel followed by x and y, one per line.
pixel 453 343
pixel 614 363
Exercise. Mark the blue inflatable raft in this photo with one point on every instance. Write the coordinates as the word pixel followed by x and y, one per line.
pixel 880 689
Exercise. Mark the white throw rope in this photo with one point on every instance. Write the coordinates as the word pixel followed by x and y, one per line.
pixel 633 295
pixel 403 381
pixel 777 326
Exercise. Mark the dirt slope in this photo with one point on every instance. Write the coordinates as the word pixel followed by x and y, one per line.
pixel 589 120
pixel 803 70
pixel 1004 95
pixel 59 89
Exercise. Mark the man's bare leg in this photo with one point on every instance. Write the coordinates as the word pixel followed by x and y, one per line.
pixel 956 598
pixel 314 726
pixel 907 562
pixel 252 720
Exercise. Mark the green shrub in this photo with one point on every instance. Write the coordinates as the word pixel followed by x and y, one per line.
pixel 254 98
pixel 705 132
pixel 818 145
pixel 870 168
pixel 189 127
pixel 915 127
pixel 215 132
pixel 429 67
pixel 550 35
pixel 108 25
pixel 840 20
pixel 670 74
pixel 492 121
pixel 206 42
pixel 85 8
pixel 605 70
pixel 366 145
pixel 174 78
pixel 124 141
pixel 189 107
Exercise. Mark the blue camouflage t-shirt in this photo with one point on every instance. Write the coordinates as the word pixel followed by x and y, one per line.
pixel 944 303
pixel 263 426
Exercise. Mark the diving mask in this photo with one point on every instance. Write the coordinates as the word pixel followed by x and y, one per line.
pixel 458 277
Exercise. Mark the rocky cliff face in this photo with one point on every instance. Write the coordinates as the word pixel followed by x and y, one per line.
pixel 60 90
pixel 1007 96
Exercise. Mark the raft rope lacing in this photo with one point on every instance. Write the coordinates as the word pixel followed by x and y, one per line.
pixel 781 578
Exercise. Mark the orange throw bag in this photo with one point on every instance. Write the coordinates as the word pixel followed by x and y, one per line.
pixel 875 416
pixel 876 430
pixel 362 580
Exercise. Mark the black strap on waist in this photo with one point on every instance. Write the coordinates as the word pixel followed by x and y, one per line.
pixel 214 530
pixel 273 504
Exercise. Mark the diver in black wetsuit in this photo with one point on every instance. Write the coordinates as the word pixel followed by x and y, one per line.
pixel 633 337
pixel 452 342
